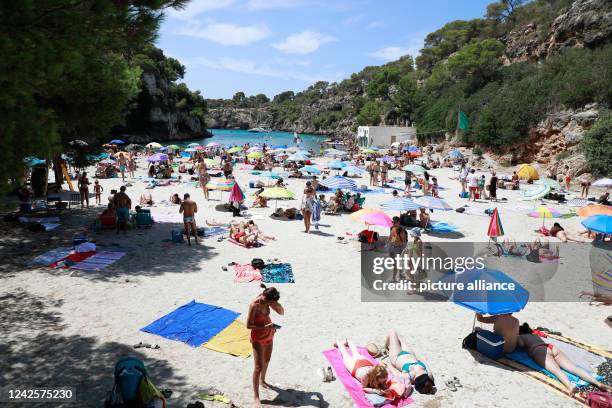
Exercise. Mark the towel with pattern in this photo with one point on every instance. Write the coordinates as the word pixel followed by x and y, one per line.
pixel 278 273
pixel 246 273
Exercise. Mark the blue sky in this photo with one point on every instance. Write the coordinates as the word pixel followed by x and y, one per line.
pixel 270 46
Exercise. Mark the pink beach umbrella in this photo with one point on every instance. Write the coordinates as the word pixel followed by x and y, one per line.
pixel 377 218
pixel 236 195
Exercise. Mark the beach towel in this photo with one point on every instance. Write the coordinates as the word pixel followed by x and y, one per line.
pixel 353 386
pixel 277 273
pixel 246 273
pixel 212 231
pixel 442 227
pixel 193 323
pixel 99 260
pixel 240 244
pixel 50 226
pixel 50 257
pixel 233 340
pixel 168 218
pixel 474 211
pixel 41 220
pixel 71 259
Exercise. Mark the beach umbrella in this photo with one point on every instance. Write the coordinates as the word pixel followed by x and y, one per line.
pixel 375 218
pixel 279 147
pixel 192 145
pixel 133 146
pixel 481 300
pixel 340 182
pixel 78 142
pixel 599 223
pixel 236 194
pixel 495 226
pixel 163 149
pixel 334 152
pixel 310 169
pixel 304 152
pixel 116 141
pixel 336 164
pixel 213 144
pixel 254 149
pixel 277 193
pixel 223 185
pixel 255 155
pixel 298 157
pixel 157 157
pixel 455 153
pixel 386 159
pixel 544 213
pixel 414 168
pixel 368 150
pixel 174 147
pixel 415 154
pixel 594 209
pixel 536 193
pixel 279 150
pixel 190 150
pixel 553 184
pixel 604 182
pixel 351 169
pixel 153 145
pixel 107 162
pixel 578 202
pixel 199 147
pixel 400 204
pixel 433 203
pixel 356 216
pixel 527 171
pixel 211 162
pixel 235 150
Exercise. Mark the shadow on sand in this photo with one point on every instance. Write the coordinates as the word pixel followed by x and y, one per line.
pixel 290 397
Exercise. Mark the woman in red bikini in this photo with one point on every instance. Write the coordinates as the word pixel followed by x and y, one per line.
pixel 262 334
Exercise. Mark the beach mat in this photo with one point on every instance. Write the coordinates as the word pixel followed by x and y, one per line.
pixel 72 259
pixel 212 231
pixel 353 387
pixel 278 273
pixel 442 227
pixel 233 340
pixel 99 260
pixel 50 256
pixel 246 273
pixel 167 218
pixel 193 323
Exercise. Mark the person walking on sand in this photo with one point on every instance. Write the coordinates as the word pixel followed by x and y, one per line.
pixel 463 174
pixel 188 208
pixel 83 185
pixel 262 335
pixel 122 204
pixel 493 187
pixel 307 206
pixel 397 243
pixel 203 177
pixel 98 191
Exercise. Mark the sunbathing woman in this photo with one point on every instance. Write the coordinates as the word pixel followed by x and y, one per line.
pixel 253 228
pixel 373 379
pixel 554 360
pixel 557 231
pixel 406 364
pixel 240 234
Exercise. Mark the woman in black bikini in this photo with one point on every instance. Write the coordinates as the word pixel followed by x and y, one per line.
pixel 84 189
pixel 406 364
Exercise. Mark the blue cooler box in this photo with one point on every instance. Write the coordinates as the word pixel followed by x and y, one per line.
pixel 490 344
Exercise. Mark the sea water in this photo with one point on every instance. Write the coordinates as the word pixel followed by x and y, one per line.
pixel 233 137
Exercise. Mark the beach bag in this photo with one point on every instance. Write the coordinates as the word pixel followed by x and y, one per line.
pixel 469 342
pixel 464 194
pixel 258 263
pixel 599 399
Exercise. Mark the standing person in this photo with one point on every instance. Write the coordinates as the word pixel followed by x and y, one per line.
pixel 98 191
pixel 493 187
pixel 481 187
pixel 434 187
pixel 375 172
pixel 122 166
pixel 397 242
pixel 585 184
pixel 515 181
pixel 83 185
pixel 262 335
pixel 383 174
pixel 472 182
pixel 371 171
pixel 463 174
pixel 407 183
pixel 415 250
pixel 307 206
pixel 122 204
pixel 131 165
pixel 203 177
pixel 568 178
pixel 188 208
pixel 227 168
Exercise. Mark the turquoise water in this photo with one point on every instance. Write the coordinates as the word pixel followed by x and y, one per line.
pixel 240 137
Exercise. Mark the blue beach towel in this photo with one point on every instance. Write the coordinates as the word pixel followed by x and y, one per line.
pixel 441 227
pixel 521 356
pixel 209 232
pixel 277 273
pixel 193 323
pixel 50 257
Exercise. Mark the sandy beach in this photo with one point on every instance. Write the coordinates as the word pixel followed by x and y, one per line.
pixel 68 328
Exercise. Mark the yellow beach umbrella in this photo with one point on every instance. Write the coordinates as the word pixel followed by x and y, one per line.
pixel 255 155
pixel 527 171
pixel 278 193
pixel 235 149
pixel 153 145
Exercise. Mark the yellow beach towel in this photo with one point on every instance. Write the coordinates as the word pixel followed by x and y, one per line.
pixel 234 340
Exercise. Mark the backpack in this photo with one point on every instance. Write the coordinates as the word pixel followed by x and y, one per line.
pixel 469 342
pixel 599 399
pixel 132 387
pixel 258 263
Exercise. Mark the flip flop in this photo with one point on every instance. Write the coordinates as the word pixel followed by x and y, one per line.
pixel 457 382
pixel 450 384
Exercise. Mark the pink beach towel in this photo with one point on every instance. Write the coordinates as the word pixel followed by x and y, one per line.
pixel 246 273
pixel 353 386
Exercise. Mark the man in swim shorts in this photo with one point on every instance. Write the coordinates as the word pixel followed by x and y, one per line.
pixel 188 209
pixel 122 204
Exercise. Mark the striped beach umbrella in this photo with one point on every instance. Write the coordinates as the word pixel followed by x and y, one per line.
pixel 400 204
pixel 340 182
pixel 310 169
pixel 433 203
pixel 351 169
pixel 495 226
pixel 223 185
pixel 536 193
pixel 544 213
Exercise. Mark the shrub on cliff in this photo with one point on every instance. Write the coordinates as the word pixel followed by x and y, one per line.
pixel 597 146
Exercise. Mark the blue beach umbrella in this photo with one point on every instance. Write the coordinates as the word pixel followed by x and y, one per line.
pixel 400 204
pixel 279 147
pixel 298 157
pixel 336 182
pixel 310 169
pixel 116 141
pixel 336 164
pixel 480 299
pixel 433 203
pixel 410 149
pixel 455 153
pixel 192 145
pixel 599 223
pixel 351 169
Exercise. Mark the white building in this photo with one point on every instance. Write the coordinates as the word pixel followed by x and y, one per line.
pixel 384 135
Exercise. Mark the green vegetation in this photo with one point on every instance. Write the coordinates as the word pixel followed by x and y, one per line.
pixel 597 146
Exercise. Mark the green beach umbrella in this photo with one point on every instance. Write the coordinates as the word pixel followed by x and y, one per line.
pixel 174 147
pixel 234 149
pixel 277 193
pixel 255 155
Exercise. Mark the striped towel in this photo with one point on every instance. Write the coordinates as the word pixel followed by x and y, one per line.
pixel 99 260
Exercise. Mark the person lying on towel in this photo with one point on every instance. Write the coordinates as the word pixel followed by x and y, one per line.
pixel 373 379
pixel 405 364
pixel 554 360
pixel 239 233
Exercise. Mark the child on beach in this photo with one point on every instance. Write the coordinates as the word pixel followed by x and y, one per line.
pixel 481 187
pixel 98 191
pixel 434 187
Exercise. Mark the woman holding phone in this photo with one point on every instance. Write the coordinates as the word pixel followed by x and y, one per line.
pixel 262 334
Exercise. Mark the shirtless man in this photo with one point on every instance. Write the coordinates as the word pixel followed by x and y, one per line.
pixel 122 165
pixel 188 209
pixel 504 325
pixel 122 204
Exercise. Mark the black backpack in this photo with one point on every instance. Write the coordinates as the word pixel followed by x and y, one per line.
pixel 469 342
pixel 258 263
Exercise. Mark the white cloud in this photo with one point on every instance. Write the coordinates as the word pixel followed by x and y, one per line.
pixel 273 4
pixel 389 53
pixel 291 62
pixel 196 7
pixel 226 34
pixel 303 43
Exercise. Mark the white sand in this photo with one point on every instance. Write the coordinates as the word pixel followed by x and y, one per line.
pixel 98 315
